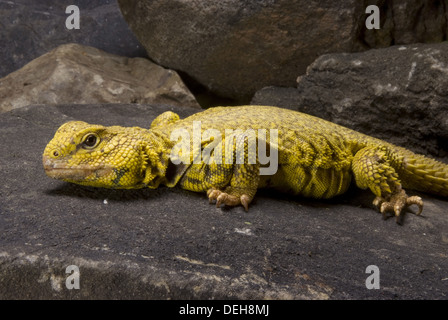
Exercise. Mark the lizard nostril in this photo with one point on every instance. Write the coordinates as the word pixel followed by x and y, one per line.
pixel 55 153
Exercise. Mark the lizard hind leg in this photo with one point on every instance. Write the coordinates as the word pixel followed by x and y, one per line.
pixel 374 168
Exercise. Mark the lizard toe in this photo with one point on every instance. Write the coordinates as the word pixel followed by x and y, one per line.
pixel 378 201
pixel 245 200
pixel 417 201
pixel 228 199
pixel 213 194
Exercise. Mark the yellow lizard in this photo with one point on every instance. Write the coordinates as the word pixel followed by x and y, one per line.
pixel 313 157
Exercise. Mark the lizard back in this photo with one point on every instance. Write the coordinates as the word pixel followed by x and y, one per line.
pixel 314 155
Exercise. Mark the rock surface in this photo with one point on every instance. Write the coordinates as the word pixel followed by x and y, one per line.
pixel 31 28
pixel 73 73
pixel 236 47
pixel 399 94
pixel 406 22
pixel 172 244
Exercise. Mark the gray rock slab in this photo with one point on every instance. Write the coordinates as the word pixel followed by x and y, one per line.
pixel 172 244
pixel 77 74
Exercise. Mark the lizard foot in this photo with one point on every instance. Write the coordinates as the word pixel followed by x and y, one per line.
pixel 228 199
pixel 397 203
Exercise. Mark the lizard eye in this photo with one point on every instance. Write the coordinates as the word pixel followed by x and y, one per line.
pixel 90 141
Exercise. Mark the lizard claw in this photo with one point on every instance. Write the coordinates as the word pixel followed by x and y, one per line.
pixel 397 203
pixel 245 200
pixel 229 200
pixel 213 194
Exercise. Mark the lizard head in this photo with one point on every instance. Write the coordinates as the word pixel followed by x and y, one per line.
pixel 97 156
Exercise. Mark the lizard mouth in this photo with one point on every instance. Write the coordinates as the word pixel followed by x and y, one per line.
pixel 58 169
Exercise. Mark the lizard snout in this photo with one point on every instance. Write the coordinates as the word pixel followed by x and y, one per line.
pixel 60 169
pixel 53 168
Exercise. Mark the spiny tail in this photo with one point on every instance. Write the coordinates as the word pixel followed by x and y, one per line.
pixel 425 174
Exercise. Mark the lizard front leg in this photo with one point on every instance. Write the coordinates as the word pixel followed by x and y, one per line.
pixel 245 176
pixel 232 181
pixel 242 188
pixel 373 168
pixel 227 184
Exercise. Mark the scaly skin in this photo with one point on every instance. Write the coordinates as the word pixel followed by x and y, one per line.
pixel 316 158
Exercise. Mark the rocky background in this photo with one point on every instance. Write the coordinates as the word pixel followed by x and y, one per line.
pixel 236 48
pixel 397 94
pixel 30 29
pixel 315 57
pixel 133 59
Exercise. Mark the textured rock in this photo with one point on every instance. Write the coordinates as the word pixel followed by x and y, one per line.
pixel 407 22
pixel 31 28
pixel 398 94
pixel 237 47
pixel 172 244
pixel 74 73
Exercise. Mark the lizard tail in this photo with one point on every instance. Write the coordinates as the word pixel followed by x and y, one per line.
pixel 425 174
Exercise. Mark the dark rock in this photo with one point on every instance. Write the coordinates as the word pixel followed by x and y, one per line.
pixel 399 94
pixel 172 244
pixel 78 74
pixel 406 22
pixel 235 48
pixel 30 29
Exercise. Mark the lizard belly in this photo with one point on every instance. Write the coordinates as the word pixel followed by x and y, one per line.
pixel 308 182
